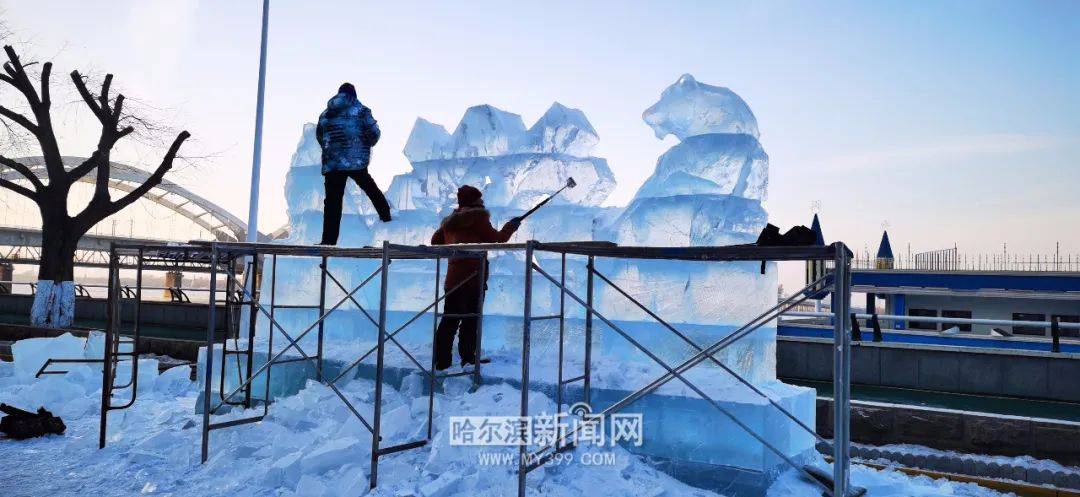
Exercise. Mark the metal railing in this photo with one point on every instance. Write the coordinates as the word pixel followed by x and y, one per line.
pixel 1054 325
pixel 1064 263
pixel 100 290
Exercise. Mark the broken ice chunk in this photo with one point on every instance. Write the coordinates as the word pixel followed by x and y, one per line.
pixel 330 455
pixel 725 164
pixel 485 131
pixel 428 141
pixel 442 486
pixel 562 130
pixel 32 353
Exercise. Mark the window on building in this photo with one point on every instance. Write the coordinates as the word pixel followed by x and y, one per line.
pixel 1029 330
pixel 1069 318
pixel 957 314
pixel 921 325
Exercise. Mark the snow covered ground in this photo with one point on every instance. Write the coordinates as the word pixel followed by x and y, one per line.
pixel 310 445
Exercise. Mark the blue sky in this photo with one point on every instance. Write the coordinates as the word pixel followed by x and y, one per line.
pixel 955 122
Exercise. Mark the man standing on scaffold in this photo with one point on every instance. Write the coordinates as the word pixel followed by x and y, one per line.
pixel 469 223
pixel 346 133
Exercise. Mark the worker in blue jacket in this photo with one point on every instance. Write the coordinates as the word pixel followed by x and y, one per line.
pixel 346 133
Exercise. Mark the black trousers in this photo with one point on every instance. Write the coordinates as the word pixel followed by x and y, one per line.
pixel 335 191
pixel 465 300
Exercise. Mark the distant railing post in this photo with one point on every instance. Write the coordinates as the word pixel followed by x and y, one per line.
pixel 876 325
pixel 1055 334
pixel 856 332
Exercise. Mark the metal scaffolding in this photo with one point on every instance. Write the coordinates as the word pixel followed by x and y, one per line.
pixel 839 280
pixel 226 257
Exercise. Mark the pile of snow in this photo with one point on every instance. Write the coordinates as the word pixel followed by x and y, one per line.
pixel 881 483
pixel 311 445
pixel 1018 468
pixel 77 393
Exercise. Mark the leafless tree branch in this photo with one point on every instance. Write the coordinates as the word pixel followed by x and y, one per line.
pixel 23 170
pixel 19 119
pixel 155 178
pixel 17 188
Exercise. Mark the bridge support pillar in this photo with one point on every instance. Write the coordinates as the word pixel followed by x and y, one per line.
pixel 7 273
pixel 173 279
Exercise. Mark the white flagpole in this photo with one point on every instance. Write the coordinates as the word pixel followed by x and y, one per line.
pixel 256 159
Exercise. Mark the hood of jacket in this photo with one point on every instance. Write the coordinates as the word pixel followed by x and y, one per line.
pixel 340 102
pixel 463 217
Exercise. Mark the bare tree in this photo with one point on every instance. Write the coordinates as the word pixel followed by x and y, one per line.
pixel 60 231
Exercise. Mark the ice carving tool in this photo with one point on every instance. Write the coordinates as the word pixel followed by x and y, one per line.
pixel 570 183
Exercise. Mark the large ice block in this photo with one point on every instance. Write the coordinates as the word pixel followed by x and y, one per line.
pixel 689 220
pixel 562 130
pixel 486 131
pixel 713 164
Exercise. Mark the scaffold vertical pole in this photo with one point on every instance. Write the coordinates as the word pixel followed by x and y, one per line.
pixel 376 421
pixel 324 267
pixel 587 382
pixel 252 311
pixel 477 359
pixel 230 293
pixel 106 371
pixel 138 307
pixel 269 334
pixel 434 335
pixel 526 329
pixel 562 333
pixel 137 320
pixel 841 372
pixel 209 375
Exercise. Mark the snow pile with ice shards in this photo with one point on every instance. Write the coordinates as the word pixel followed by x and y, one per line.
pixel 309 444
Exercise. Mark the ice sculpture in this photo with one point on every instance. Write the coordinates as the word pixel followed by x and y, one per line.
pixel 706 190
pixel 515 167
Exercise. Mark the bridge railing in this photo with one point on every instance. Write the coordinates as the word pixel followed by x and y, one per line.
pixel 94 290
pixel 1056 326
pixel 952 261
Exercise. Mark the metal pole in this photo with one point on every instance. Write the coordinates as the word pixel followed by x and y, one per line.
pixel 841 372
pixel 135 331
pixel 106 376
pixel 230 291
pixel 209 375
pixel 252 313
pixel 138 302
pixel 587 385
pixel 480 321
pixel 270 335
pixel 256 159
pixel 434 334
pixel 322 310
pixel 377 417
pixel 526 328
pixel 562 333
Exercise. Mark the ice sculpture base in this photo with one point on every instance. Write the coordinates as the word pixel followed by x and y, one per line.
pixel 685 435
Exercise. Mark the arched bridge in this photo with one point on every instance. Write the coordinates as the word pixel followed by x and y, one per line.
pixel 221 224
pixel 21 245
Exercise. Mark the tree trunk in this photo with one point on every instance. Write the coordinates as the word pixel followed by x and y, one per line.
pixel 54 300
